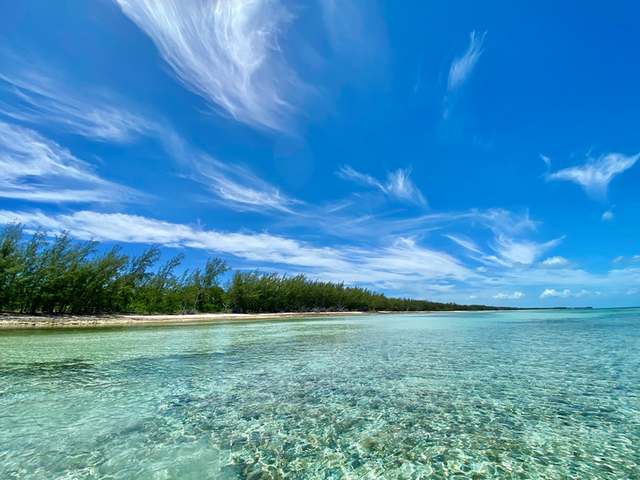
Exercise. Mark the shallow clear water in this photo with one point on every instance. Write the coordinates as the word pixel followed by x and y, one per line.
pixel 536 394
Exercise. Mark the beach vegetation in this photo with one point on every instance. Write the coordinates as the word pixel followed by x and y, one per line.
pixel 57 275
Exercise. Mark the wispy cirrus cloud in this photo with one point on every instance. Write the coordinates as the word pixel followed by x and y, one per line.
pixel 239 188
pixel 511 243
pixel 44 101
pixel 462 66
pixel 546 160
pixel 466 243
pixel 407 258
pixel 596 174
pixel 401 264
pixel 232 184
pixel 34 96
pixel 504 222
pixel 524 252
pixel 401 260
pixel 262 247
pixel 34 168
pixel 623 259
pixel 229 52
pixel 398 184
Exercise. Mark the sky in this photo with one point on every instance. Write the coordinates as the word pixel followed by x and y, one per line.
pixel 473 152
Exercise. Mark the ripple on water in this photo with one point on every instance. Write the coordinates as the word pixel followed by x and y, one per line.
pixel 518 395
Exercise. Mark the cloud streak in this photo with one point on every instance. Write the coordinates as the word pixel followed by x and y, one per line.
pixel 462 66
pixel 227 52
pixel 40 99
pixel 238 188
pixel 465 243
pixel 401 265
pixel 232 184
pixel 596 174
pixel 401 260
pixel 34 168
pixel 523 252
pixel 398 184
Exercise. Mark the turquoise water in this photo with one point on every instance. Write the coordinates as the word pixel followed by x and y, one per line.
pixel 536 394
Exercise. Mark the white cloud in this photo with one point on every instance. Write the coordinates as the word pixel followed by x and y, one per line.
pixel 401 260
pixel 229 52
pixel 578 283
pixel 552 292
pixel 546 160
pixel 565 293
pixel 117 227
pixel 465 243
pixel 555 262
pixel 36 169
pixel 350 173
pixel 607 216
pixel 462 66
pixel 521 251
pixel 622 259
pixel 399 264
pixel 595 175
pixel 504 222
pixel 38 98
pixel 405 256
pixel 517 295
pixel 233 185
pixel 397 185
pixel 42 99
pixel 239 188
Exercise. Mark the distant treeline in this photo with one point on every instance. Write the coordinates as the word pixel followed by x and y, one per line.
pixel 61 276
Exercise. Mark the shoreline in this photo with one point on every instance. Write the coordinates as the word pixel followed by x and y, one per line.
pixel 13 321
pixel 10 321
pixel 28 322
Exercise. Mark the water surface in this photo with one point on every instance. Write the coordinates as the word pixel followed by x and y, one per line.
pixel 532 394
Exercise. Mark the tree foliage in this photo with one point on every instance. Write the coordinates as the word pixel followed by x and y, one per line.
pixel 61 276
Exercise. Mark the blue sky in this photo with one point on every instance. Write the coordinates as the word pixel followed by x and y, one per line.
pixel 467 152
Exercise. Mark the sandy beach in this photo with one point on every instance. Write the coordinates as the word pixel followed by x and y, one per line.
pixel 14 321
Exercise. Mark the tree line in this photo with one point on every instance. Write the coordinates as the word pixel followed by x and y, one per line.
pixel 57 275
